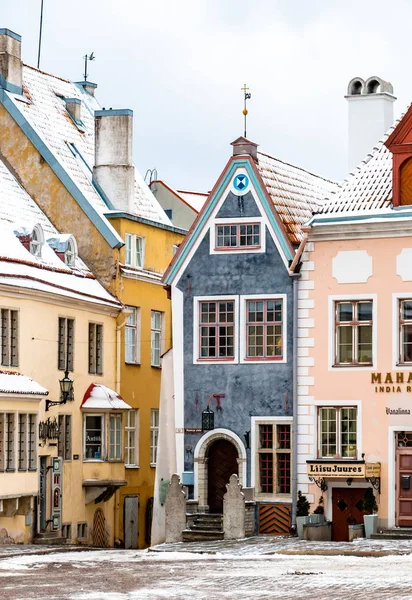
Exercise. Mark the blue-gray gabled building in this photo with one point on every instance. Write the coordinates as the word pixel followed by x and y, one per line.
pixel 233 297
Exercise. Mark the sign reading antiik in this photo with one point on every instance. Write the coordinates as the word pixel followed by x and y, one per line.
pixel 387 383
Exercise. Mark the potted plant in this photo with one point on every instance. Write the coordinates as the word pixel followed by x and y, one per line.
pixel 318 515
pixel 302 513
pixel 370 508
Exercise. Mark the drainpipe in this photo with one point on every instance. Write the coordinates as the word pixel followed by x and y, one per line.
pixel 125 313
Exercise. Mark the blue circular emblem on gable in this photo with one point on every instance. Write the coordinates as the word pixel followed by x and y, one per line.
pixel 241 182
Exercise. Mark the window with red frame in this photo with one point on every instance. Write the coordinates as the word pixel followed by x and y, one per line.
pixel 217 330
pixel 235 236
pixel 264 329
pixel 274 458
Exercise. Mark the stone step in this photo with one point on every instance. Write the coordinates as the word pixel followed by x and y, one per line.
pixel 396 530
pixel 196 525
pixel 205 517
pixel 391 536
pixel 47 534
pixel 201 535
pixel 50 541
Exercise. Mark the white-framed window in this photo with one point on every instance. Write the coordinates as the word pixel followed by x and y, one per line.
pixel 237 235
pixel 353 332
pixel 157 337
pixel 70 253
pixel 215 335
pixel 263 328
pixel 134 250
pixel 338 432
pixel 132 336
pixel 94 437
pixel 96 348
pixel 272 451
pixel 154 435
pixel 9 337
pixel 405 331
pixel 36 241
pixel 115 437
pixel 131 445
pixel 65 437
pixel 66 344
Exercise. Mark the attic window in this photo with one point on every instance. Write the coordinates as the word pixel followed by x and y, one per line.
pixel 36 241
pixel 373 87
pixel 70 254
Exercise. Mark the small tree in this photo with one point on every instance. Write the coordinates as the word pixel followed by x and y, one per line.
pixel 319 510
pixel 302 505
pixel 369 502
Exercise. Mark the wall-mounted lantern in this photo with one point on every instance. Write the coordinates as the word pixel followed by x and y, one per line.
pixel 66 391
pixel 208 419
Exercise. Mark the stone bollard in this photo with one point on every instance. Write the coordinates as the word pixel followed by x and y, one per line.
pixel 234 510
pixel 175 510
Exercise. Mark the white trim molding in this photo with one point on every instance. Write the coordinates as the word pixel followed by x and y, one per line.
pixel 331 331
pixel 196 325
pixel 243 333
pixel 200 460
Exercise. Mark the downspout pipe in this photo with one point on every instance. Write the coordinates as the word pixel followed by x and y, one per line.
pixel 295 281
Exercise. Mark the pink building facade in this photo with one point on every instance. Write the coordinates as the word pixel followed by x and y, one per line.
pixel 355 343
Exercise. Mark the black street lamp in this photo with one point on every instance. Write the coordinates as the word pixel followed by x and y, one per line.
pixel 208 419
pixel 66 391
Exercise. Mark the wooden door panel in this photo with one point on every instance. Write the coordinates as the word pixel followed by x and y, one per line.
pixel 404 486
pixel 347 509
pixel 222 464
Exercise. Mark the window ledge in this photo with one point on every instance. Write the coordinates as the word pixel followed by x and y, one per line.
pixel 95 460
pixel 132 466
pixel 132 364
pixel 156 366
pixel 153 465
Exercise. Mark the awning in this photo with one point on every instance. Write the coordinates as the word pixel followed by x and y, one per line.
pixel 16 383
pixel 101 397
pixel 101 490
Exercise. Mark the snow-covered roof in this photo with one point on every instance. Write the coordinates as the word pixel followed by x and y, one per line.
pixel 44 108
pixel 295 193
pixel 19 213
pixel 195 200
pixel 101 397
pixel 16 383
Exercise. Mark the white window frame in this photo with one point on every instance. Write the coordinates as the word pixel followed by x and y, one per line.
pixel 196 330
pixel 129 448
pixel 115 418
pixel 338 455
pixel 339 404
pixel 70 254
pixel 154 436
pixel 37 241
pixel 243 327
pixel 130 254
pixel 161 336
pixel 332 337
pixel 255 422
pixel 396 338
pixel 238 221
pixel 137 328
pixel 103 436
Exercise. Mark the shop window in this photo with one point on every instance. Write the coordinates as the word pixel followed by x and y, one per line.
pixel 94 437
pixel 337 432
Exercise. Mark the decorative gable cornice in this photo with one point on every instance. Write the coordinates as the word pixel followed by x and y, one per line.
pixel 246 162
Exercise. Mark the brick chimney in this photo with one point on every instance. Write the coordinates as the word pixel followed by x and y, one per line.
pixel 10 61
pixel 113 168
pixel 370 115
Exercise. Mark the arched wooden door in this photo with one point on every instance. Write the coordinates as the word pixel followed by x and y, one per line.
pixel 222 464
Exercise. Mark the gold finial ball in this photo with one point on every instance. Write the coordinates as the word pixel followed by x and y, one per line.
pixel 245 111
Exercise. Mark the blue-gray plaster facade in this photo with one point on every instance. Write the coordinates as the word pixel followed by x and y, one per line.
pixel 258 389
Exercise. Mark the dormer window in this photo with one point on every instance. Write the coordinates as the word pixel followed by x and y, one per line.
pixel 36 241
pixel 70 254
pixel 134 251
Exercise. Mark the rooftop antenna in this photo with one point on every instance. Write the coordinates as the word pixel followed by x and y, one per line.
pixel 40 34
pixel 87 58
pixel 248 96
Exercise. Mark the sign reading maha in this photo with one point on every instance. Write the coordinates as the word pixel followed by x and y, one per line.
pixel 397 382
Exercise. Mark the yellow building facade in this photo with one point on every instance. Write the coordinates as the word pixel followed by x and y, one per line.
pixel 76 161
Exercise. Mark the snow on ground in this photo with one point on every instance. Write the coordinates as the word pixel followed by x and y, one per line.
pixel 143 575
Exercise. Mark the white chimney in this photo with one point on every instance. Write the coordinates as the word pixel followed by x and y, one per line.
pixel 370 112
pixel 10 61
pixel 113 168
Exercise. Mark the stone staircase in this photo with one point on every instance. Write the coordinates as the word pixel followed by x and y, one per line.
pixel 397 533
pixel 49 538
pixel 202 527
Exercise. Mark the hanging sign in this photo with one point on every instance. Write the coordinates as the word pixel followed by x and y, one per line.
pixel 338 469
pixel 372 470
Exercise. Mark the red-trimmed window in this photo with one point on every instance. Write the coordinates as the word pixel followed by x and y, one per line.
pixel 241 236
pixel 264 329
pixel 274 458
pixel 217 330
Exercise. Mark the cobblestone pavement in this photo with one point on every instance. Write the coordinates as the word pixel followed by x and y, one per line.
pixel 138 575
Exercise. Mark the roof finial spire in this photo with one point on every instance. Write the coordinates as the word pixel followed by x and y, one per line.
pixel 248 96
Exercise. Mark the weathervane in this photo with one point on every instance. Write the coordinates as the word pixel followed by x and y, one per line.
pixel 248 96
pixel 86 58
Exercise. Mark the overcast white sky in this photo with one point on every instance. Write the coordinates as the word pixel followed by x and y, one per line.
pixel 180 64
